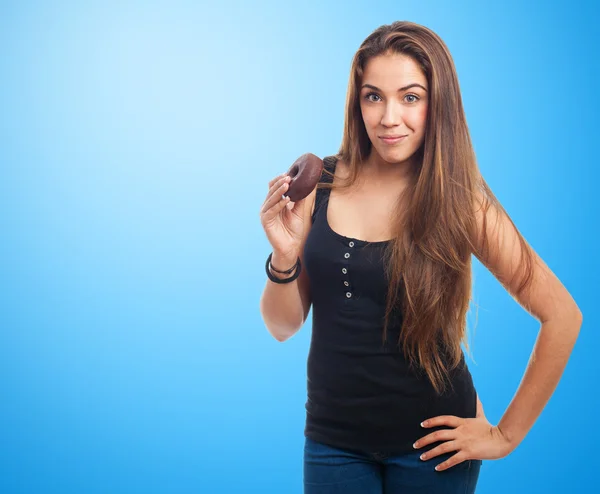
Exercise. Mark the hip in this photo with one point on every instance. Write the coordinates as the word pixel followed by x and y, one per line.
pixel 329 469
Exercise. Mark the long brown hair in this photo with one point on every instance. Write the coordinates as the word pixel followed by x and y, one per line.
pixel 428 263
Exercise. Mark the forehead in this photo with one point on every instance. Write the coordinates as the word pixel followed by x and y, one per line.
pixel 392 71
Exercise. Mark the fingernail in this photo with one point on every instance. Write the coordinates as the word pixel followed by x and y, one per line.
pixel 424 423
pixel 423 456
pixel 415 446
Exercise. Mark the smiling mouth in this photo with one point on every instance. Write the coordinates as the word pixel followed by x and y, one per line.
pixel 392 140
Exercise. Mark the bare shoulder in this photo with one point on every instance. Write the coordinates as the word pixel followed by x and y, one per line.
pixel 341 168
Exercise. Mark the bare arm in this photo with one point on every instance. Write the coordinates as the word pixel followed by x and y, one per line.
pixel 551 304
pixel 284 307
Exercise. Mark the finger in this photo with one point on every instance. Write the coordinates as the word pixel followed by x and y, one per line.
pixel 434 437
pixel 446 447
pixel 449 420
pixel 276 179
pixel 272 181
pixel 272 212
pixel 451 462
pixel 275 186
pixel 298 207
pixel 275 194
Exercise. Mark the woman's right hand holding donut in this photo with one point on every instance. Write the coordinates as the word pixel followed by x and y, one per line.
pixel 283 225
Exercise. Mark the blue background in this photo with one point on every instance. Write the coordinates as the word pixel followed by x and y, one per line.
pixel 136 143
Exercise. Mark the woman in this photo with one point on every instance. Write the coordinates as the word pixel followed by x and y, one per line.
pixel 381 250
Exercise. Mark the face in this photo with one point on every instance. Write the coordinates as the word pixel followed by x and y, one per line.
pixel 393 102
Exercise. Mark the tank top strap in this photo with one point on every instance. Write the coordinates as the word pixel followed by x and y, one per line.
pixel 322 194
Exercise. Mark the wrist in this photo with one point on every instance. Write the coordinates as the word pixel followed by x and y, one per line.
pixel 509 441
pixel 283 262
pixel 285 276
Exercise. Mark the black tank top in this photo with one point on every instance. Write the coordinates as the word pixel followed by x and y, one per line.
pixel 361 393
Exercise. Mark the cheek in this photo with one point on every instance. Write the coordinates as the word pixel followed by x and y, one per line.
pixel 421 117
pixel 370 117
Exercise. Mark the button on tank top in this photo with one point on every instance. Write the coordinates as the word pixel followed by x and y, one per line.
pixel 361 393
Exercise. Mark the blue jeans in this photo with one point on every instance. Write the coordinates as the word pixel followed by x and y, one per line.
pixel 330 470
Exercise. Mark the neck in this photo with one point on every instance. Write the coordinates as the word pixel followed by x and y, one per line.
pixel 376 170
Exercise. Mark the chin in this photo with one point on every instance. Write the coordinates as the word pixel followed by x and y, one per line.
pixel 394 156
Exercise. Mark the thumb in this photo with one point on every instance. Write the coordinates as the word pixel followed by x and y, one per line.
pixel 296 207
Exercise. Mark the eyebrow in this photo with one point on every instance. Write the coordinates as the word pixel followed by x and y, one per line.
pixel 414 84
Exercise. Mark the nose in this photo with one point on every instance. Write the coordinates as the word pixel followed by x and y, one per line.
pixel 392 115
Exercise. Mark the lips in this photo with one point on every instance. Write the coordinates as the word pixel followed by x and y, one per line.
pixel 392 140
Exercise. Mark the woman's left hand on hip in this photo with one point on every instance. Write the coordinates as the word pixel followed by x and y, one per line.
pixel 470 438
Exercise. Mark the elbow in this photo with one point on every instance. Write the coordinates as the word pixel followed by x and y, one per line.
pixel 574 322
pixel 576 314
pixel 579 320
pixel 279 330
pixel 280 337
pixel 576 317
pixel 566 316
pixel 579 317
pixel 282 334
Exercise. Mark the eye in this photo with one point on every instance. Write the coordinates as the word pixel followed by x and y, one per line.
pixel 369 95
pixel 413 96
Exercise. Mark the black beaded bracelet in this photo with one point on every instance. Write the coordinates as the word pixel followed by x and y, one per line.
pixel 274 279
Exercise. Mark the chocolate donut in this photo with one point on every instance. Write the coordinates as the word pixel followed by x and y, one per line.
pixel 305 172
